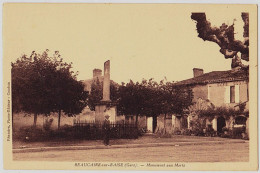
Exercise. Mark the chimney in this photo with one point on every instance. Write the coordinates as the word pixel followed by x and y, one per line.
pixel 97 73
pixel 197 72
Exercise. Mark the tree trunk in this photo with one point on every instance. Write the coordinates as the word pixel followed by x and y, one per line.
pixel 35 120
pixel 164 124
pixel 154 123
pixel 136 120
pixel 59 119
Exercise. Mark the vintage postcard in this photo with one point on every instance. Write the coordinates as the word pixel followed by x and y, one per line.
pixel 130 86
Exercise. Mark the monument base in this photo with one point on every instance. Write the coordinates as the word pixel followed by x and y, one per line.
pixel 105 109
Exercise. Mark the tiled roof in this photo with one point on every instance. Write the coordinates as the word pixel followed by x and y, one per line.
pixel 216 77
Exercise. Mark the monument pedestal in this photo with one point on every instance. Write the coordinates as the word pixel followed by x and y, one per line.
pixel 105 108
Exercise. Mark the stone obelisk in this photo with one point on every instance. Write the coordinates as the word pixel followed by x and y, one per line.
pixel 105 106
pixel 106 82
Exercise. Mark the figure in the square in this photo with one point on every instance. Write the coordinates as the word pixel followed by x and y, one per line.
pixel 106 130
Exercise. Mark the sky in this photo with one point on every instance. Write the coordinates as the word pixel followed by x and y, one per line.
pixel 140 40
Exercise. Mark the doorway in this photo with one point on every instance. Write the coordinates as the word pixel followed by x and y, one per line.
pixel 221 122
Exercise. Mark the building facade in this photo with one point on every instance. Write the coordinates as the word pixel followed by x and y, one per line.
pixel 224 94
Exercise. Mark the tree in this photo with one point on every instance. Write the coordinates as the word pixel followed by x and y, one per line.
pixel 69 95
pixel 175 99
pixel 149 98
pixel 181 99
pixel 29 92
pixel 132 99
pixel 224 37
pixel 42 84
pixel 169 98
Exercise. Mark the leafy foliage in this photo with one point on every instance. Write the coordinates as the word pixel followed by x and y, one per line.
pixel 220 111
pixel 197 127
pixel 147 98
pixel 42 84
pixel 151 98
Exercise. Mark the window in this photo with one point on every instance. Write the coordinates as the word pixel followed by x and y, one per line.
pixel 232 94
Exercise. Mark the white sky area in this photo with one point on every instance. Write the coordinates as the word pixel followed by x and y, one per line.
pixel 140 41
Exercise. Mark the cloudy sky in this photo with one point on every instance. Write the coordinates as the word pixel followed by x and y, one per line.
pixel 141 41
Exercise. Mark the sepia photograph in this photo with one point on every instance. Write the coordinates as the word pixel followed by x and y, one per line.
pixel 130 86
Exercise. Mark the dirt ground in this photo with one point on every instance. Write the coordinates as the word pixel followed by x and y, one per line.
pixel 141 140
pixel 228 152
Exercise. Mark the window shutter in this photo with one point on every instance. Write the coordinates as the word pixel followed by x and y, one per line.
pixel 237 93
pixel 227 94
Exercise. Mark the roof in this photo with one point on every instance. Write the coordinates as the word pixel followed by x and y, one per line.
pixel 216 77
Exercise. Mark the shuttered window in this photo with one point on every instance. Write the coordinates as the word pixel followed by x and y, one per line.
pixel 236 93
pixel 232 94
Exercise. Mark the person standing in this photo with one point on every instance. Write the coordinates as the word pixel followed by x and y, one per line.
pixel 106 129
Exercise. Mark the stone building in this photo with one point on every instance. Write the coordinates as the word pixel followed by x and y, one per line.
pixel 218 90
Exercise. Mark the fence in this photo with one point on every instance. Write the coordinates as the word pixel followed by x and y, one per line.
pixel 94 130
